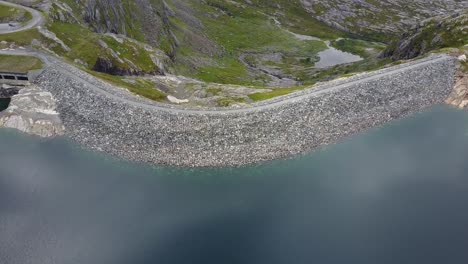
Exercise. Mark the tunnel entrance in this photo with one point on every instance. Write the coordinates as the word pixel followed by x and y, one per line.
pixel 4 102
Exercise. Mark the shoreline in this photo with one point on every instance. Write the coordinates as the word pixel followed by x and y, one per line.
pixel 105 119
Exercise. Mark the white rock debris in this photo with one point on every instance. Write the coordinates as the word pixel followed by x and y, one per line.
pixel 33 111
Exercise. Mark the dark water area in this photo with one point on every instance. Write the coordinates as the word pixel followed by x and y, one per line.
pixel 397 194
pixel 4 102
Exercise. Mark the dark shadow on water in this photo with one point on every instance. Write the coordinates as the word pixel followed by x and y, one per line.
pixel 397 194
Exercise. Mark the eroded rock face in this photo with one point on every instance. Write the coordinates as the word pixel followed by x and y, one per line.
pixel 459 95
pixel 33 111
pixel 7 91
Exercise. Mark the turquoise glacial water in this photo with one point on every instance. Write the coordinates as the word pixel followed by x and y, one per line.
pixel 397 194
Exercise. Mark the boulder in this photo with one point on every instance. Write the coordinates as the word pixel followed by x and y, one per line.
pixel 33 111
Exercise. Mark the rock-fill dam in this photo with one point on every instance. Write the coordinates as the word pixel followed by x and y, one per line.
pixel 114 121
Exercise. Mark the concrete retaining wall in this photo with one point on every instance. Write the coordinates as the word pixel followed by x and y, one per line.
pixel 12 78
pixel 270 130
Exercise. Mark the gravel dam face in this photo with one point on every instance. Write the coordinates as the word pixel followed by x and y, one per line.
pixel 113 121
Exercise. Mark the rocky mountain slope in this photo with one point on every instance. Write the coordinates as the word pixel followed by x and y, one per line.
pixel 432 34
pixel 199 35
pixel 378 19
pixel 273 46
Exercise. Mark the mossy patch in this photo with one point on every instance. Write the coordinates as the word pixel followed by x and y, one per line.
pixel 23 64
pixel 23 38
pixel 13 14
pixel 276 92
pixel 138 86
pixel 228 101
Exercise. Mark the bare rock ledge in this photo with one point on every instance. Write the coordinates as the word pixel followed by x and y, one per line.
pixel 33 111
pixel 459 95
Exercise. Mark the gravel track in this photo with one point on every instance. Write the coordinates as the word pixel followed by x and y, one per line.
pixel 37 19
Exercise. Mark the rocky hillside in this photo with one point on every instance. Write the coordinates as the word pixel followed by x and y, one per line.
pixel 379 19
pixel 265 48
pixel 8 13
pixel 433 34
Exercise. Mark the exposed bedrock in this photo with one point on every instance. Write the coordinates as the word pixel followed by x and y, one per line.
pixel 7 91
pixel 459 95
pixel 294 124
pixel 32 111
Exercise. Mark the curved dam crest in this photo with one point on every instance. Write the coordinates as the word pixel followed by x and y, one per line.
pixel 115 122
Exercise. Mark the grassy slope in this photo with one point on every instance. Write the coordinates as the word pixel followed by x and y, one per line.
pixel 436 34
pixel 22 38
pixel 85 46
pixel 9 63
pixel 241 28
pixel 235 28
pixel 8 13
pixel 140 86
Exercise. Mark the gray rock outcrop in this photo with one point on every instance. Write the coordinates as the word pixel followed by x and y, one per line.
pixel 459 95
pixel 7 91
pixel 111 120
pixel 33 111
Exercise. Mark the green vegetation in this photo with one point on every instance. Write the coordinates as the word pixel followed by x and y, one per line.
pixel 214 91
pixel 82 42
pixel 244 29
pixel 10 63
pixel 238 28
pixel 314 76
pixel 216 41
pixel 363 48
pixel 130 52
pixel 435 34
pixel 9 13
pixel 464 66
pixel 228 101
pixel 228 71
pixel 23 38
pixel 88 46
pixel 138 86
pixel 276 92
pixel 125 16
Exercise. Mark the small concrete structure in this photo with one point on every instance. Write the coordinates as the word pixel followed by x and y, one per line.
pixel 19 78
pixel 14 78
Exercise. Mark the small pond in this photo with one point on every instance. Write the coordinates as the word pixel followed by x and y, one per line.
pixel 331 56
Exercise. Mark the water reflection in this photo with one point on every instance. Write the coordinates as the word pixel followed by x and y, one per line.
pixel 332 56
pixel 393 195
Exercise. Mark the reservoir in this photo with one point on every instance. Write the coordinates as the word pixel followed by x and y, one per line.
pixel 395 194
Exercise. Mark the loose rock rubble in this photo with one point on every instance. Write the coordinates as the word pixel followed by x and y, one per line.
pixel 32 111
pixel 116 122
